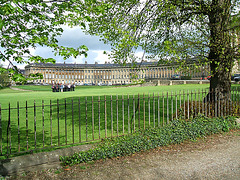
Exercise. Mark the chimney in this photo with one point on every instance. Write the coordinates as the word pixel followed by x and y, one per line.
pixel 64 62
pixel 96 62
pixel 85 62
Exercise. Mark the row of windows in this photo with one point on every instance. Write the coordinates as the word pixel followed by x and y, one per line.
pixel 101 71
pixel 49 76
pixel 77 82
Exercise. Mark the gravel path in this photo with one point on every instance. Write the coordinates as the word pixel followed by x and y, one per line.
pixel 18 89
pixel 214 157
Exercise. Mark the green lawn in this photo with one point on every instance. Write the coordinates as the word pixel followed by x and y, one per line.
pixel 79 116
pixel 44 92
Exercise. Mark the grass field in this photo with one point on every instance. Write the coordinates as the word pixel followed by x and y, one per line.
pixel 40 93
pixel 83 115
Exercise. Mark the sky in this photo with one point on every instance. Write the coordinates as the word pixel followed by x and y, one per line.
pixel 74 37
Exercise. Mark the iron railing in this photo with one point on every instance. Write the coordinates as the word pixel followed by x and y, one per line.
pixel 39 125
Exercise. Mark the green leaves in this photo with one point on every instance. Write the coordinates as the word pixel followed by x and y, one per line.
pixel 174 133
pixel 27 24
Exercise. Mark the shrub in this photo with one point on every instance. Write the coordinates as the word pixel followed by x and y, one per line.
pixel 186 77
pixel 175 132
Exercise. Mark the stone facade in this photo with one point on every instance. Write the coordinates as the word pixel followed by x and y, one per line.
pixel 105 73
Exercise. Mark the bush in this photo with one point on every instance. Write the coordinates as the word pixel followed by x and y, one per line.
pixel 174 133
pixel 186 77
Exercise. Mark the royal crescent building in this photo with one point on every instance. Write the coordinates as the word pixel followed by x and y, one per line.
pixel 106 73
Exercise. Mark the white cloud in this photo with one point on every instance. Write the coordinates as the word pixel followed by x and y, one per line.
pixel 101 58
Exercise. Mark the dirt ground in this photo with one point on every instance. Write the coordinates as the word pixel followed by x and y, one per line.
pixel 213 157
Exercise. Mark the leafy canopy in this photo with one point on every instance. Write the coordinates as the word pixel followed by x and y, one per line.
pixel 175 30
pixel 27 24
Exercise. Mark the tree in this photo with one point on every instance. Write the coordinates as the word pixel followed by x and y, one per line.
pixel 26 24
pixel 4 78
pixel 173 31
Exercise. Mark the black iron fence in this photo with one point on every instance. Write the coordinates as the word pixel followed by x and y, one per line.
pixel 40 125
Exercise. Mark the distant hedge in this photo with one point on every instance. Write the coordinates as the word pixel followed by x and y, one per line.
pixel 186 77
pixel 175 132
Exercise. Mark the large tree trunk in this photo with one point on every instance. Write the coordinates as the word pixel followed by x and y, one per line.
pixel 220 56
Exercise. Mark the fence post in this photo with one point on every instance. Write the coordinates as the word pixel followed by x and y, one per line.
pixel 105 115
pixel 27 124
pixel 195 106
pixel 188 103
pixel 128 115
pixel 50 120
pixel 172 104
pixel 206 103
pixel 123 111
pixel 35 125
pixel 65 107
pixel 1 129
pixel 144 114
pixel 9 131
pixel 153 111
pixel 79 121
pixel 117 112
pixel 184 105
pixel 158 111
pixel 199 102
pixel 72 123
pixel 176 104
pixel 167 109
pixel 163 107
pixel 92 118
pixel 18 114
pixel 192 111
pixel 149 114
pixel 111 116
pixel 231 110
pixel 215 95
pixel 43 121
pixel 58 121
pixel 219 99
pixel 99 120
pixel 133 114
pixel 86 118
